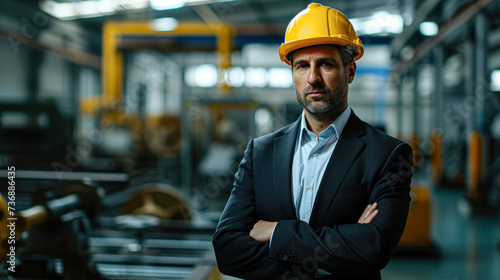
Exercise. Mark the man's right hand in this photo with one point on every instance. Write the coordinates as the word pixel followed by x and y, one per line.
pixel 369 214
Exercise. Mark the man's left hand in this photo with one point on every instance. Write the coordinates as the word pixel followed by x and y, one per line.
pixel 369 214
pixel 262 231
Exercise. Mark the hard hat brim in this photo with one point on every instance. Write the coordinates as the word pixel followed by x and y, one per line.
pixel 288 47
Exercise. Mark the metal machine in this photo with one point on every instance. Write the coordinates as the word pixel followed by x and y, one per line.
pixel 79 232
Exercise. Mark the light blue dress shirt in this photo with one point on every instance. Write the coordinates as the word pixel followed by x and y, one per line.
pixel 312 154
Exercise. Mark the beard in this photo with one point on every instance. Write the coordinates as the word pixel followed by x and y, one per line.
pixel 333 101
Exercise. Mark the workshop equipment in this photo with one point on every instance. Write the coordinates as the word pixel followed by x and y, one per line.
pixel 64 243
pixel 146 248
pixel 416 239
pixel 58 230
pixel 159 200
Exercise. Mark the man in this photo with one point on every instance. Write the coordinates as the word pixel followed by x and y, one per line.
pixel 327 196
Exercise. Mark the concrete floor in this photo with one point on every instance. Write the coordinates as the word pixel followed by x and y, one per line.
pixel 468 244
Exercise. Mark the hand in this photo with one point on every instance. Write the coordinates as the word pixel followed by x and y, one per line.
pixel 262 231
pixel 369 214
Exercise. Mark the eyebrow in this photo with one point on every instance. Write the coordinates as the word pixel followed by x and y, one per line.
pixel 320 59
pixel 326 58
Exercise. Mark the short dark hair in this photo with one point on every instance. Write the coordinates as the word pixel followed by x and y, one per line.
pixel 344 55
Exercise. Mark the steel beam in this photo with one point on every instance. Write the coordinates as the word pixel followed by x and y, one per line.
pixel 414 73
pixel 399 106
pixel 481 79
pixel 438 52
pixel 478 157
pixel 78 57
pixel 423 12
pixel 446 30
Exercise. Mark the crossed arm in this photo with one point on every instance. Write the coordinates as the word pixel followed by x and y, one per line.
pixel 241 240
pixel 263 230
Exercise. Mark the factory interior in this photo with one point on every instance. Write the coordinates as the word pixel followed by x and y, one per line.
pixel 123 122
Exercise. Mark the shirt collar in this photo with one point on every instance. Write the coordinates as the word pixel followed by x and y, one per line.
pixel 338 124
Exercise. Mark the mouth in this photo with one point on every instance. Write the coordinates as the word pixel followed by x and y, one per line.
pixel 316 93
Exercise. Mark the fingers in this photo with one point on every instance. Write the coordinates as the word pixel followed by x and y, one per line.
pixel 367 209
pixel 373 207
pixel 370 218
pixel 369 214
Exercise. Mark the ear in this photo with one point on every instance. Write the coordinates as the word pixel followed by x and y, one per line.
pixel 351 68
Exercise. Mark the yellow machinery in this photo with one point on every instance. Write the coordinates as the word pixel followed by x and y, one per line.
pixel 112 58
pixel 416 239
pixel 108 107
pixel 163 131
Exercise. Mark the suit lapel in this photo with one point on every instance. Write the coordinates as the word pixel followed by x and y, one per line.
pixel 284 148
pixel 345 153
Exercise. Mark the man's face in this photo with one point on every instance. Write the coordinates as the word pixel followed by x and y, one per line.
pixel 321 79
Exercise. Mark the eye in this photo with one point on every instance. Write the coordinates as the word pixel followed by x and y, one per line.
pixel 326 64
pixel 301 66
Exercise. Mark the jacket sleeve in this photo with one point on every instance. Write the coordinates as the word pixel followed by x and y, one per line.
pixel 237 253
pixel 353 248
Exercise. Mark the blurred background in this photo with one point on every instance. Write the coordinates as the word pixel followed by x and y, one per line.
pixel 125 122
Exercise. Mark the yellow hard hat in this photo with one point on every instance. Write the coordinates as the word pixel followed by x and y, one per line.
pixel 320 25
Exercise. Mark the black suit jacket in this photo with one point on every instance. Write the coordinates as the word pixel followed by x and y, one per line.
pixel 366 166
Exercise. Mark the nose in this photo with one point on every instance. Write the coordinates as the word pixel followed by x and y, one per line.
pixel 314 76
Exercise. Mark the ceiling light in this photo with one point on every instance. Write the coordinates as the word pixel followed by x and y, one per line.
pixel 381 22
pixel 160 5
pixel 167 5
pixel 88 9
pixel 204 2
pixel 255 77
pixel 429 28
pixel 206 75
pixel 165 24
pixel 236 77
pixel 495 80
pixel 280 77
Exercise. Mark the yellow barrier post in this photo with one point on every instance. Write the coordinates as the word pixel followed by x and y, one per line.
pixel 475 167
pixel 437 156
pixel 417 230
pixel 417 153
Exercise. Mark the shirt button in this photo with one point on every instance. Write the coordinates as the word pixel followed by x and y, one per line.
pixel 315 154
pixel 308 187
